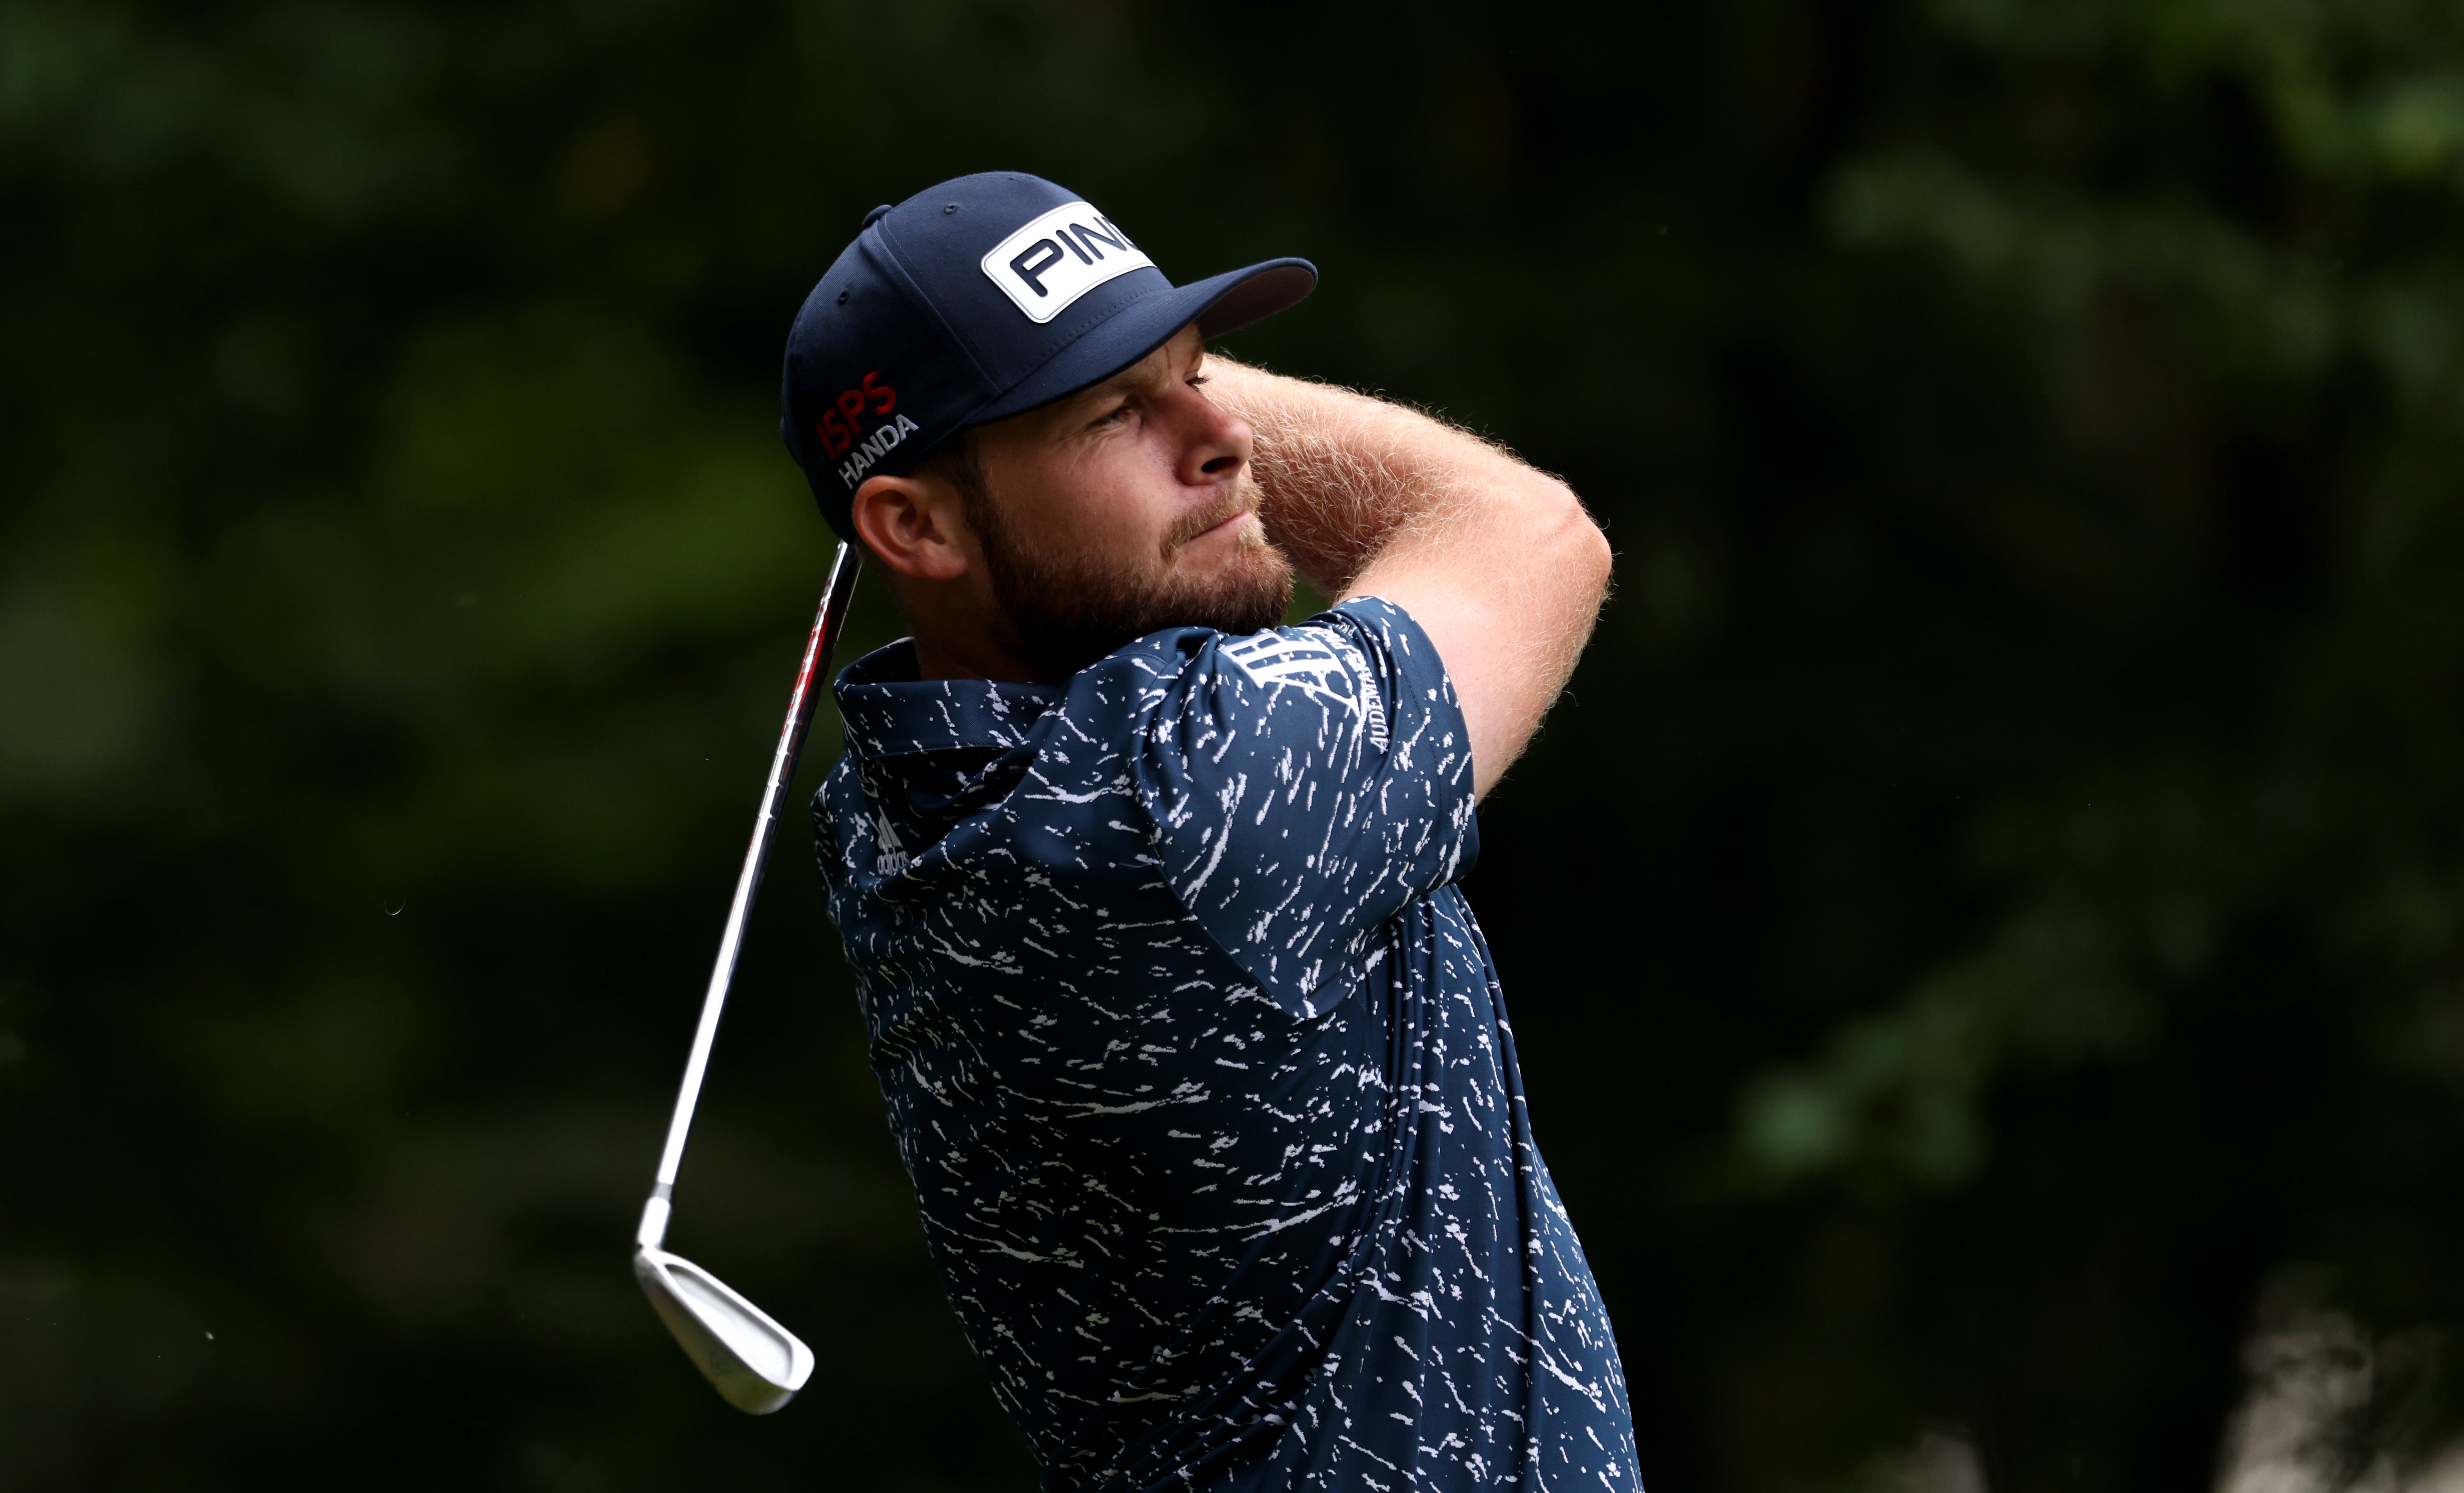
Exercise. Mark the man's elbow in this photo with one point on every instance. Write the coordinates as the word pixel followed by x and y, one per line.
pixel 1598 559
pixel 1579 550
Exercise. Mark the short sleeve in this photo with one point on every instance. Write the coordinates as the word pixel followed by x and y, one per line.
pixel 1304 786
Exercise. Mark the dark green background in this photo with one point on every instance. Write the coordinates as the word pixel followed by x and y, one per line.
pixel 1987 931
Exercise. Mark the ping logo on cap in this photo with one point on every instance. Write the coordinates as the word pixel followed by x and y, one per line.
pixel 1060 256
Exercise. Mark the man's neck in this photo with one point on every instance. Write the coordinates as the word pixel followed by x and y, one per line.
pixel 972 658
pixel 959 631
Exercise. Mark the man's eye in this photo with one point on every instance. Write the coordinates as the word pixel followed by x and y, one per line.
pixel 1117 412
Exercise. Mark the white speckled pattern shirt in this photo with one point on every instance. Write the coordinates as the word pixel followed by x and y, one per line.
pixel 1201 1068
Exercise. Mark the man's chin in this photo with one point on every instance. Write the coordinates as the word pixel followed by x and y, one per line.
pixel 1068 616
pixel 1250 595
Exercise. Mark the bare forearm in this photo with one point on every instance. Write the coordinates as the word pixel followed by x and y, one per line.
pixel 1344 474
pixel 1498 561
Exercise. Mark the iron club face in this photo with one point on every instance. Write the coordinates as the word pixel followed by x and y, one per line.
pixel 753 1361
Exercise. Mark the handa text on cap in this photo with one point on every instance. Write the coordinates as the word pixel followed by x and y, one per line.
pixel 871 449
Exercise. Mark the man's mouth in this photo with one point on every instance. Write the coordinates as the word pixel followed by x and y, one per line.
pixel 1209 523
pixel 1228 522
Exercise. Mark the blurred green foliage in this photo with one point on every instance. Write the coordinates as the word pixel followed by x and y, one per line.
pixel 1989 922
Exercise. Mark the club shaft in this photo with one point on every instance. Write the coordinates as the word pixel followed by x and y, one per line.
pixel 812 679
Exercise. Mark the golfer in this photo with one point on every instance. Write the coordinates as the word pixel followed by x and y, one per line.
pixel 1194 1054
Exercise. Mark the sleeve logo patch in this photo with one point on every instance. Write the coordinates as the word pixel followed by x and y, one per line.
pixel 1321 670
pixel 1059 257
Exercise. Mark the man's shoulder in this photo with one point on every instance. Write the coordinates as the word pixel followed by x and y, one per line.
pixel 1338 657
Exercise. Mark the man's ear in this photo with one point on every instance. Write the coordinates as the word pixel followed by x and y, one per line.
pixel 914 526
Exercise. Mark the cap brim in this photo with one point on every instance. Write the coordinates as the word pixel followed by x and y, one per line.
pixel 1218 304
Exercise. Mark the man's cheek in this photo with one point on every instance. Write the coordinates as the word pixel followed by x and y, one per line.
pixel 1127 524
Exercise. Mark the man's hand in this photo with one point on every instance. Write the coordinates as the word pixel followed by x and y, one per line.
pixel 1497 562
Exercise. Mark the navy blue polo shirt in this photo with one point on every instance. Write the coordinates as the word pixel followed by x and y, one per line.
pixel 1199 1065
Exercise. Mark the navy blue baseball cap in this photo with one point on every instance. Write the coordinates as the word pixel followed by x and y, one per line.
pixel 974 301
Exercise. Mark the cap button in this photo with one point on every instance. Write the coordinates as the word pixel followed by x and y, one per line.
pixel 874 216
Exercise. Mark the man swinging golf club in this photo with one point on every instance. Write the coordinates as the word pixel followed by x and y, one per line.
pixel 1194 1052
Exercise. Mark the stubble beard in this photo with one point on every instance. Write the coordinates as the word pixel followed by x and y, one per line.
pixel 1069 610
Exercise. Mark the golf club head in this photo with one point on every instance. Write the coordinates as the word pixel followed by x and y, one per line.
pixel 754 1362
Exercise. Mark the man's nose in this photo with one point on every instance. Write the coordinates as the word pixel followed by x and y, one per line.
pixel 1219 442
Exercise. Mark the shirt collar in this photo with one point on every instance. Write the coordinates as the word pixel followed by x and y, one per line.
pixel 891 713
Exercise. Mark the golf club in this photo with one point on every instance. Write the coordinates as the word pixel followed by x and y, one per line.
pixel 757 1364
